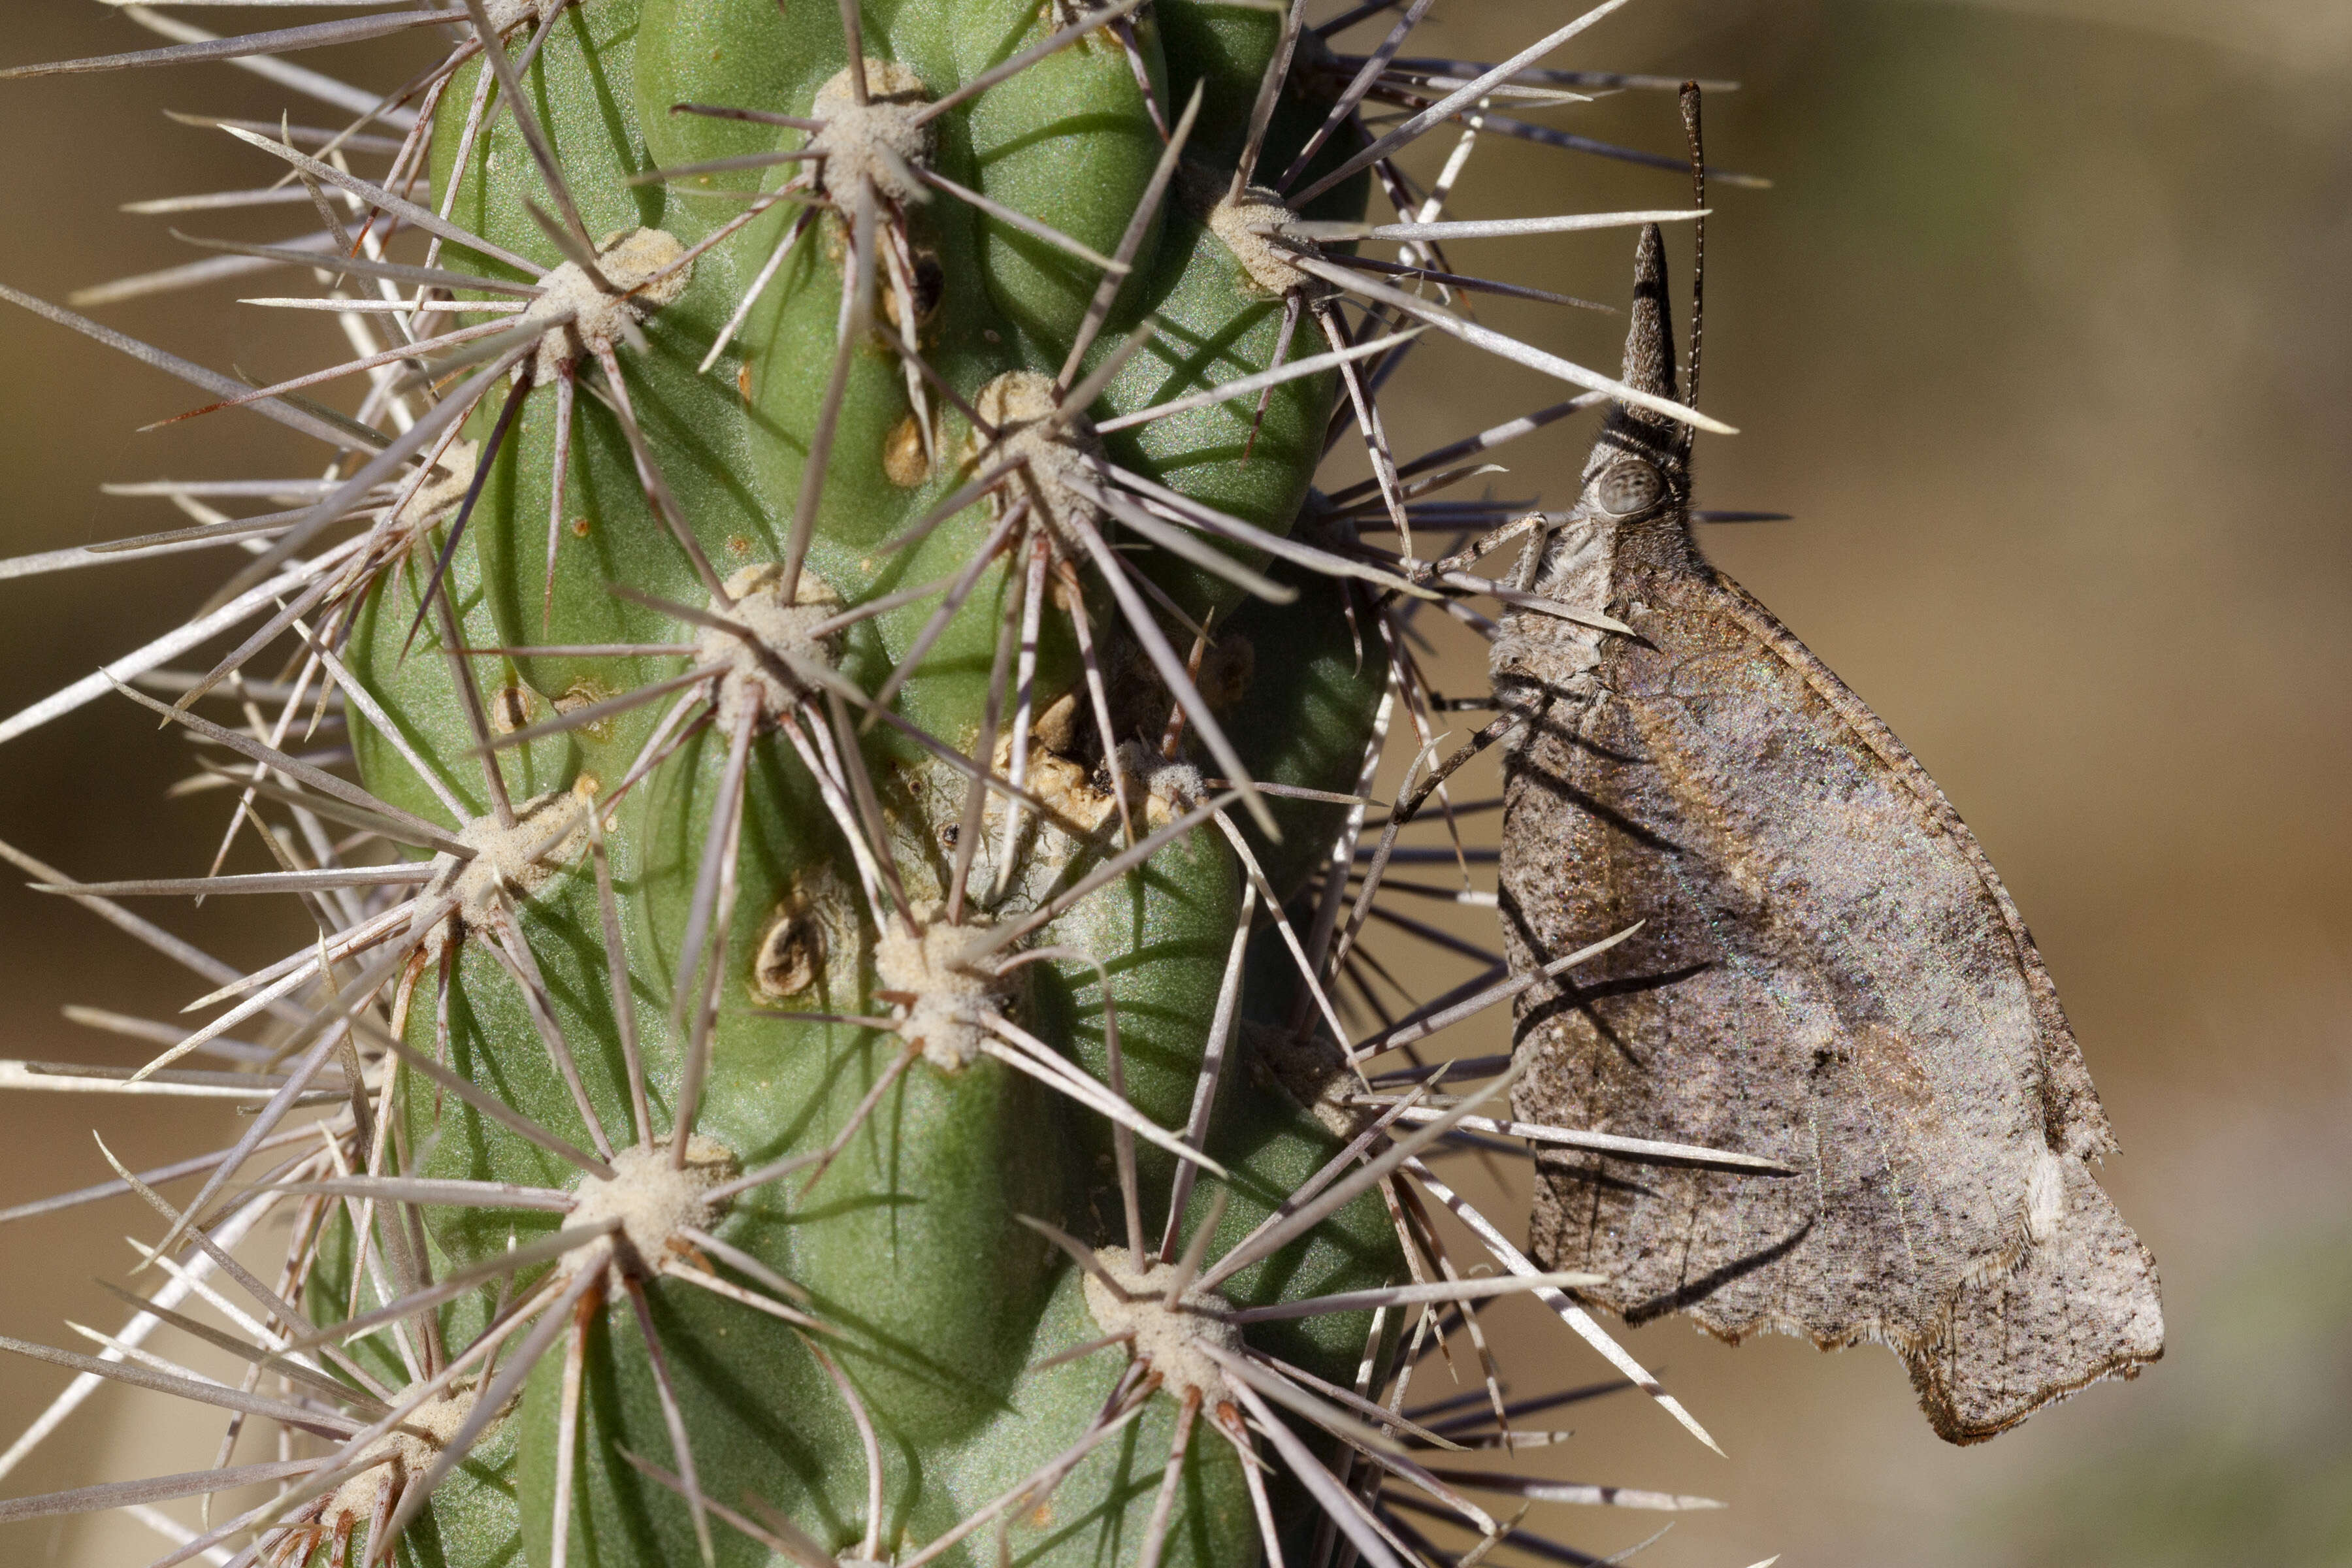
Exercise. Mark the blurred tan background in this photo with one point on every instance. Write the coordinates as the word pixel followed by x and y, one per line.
pixel 2042 337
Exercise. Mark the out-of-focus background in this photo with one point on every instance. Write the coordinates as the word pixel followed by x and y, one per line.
pixel 2041 334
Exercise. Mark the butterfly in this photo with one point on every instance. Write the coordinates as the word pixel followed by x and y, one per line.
pixel 1828 972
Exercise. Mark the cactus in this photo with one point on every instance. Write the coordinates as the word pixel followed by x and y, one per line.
pixel 849 727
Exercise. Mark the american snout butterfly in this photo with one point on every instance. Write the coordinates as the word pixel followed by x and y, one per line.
pixel 1829 972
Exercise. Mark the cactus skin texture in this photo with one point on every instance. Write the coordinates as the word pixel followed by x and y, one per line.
pixel 860 722
pixel 933 1295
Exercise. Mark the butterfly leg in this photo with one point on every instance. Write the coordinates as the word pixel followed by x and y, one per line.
pixel 1497 729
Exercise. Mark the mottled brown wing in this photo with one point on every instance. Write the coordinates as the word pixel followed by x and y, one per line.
pixel 1829 974
pixel 2081 1305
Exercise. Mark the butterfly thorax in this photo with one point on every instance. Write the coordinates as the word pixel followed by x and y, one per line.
pixel 1599 569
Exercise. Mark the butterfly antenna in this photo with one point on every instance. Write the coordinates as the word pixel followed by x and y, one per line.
pixel 1698 242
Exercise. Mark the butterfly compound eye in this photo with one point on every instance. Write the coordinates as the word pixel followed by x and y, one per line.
pixel 1626 487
